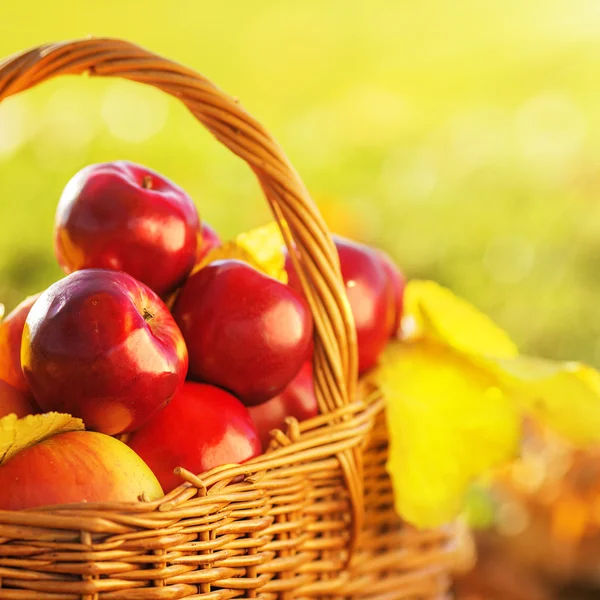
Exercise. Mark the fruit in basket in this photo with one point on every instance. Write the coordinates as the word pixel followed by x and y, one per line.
pixel 202 427
pixel 209 240
pixel 371 296
pixel 14 401
pixel 76 466
pixel 11 332
pixel 103 347
pixel 396 277
pixel 298 400
pixel 127 217
pixel 245 331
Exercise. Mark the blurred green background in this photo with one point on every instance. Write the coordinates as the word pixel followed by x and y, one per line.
pixel 461 136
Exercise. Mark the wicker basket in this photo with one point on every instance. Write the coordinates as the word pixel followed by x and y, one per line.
pixel 313 517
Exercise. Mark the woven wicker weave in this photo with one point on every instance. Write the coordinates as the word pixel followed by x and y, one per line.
pixel 313 517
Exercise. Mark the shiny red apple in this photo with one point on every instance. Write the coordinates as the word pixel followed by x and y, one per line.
pixel 77 466
pixel 102 346
pixel 14 401
pixel 11 332
pixel 297 400
pixel 209 240
pixel 371 296
pixel 202 427
pixel 245 331
pixel 127 217
pixel 398 281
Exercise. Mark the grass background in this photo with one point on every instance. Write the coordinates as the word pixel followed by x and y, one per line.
pixel 463 137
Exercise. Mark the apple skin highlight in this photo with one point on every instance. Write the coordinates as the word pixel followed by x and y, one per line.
pixel 103 347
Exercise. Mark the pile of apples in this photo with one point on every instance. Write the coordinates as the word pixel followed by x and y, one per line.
pixel 170 360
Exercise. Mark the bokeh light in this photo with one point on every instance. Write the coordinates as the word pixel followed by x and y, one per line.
pixel 465 139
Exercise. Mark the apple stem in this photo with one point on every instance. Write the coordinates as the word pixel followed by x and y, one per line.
pixel 148 316
pixel 147 182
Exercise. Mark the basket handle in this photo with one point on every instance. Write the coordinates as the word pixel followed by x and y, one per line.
pixel 299 220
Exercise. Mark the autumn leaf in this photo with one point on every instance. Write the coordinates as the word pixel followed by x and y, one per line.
pixel 266 245
pixel 18 434
pixel 564 396
pixel 262 248
pixel 449 422
pixel 457 391
pixel 434 312
pixel 227 250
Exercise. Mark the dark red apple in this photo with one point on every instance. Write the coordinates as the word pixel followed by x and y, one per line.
pixel 209 240
pixel 202 427
pixel 245 331
pixel 371 297
pixel 77 466
pixel 102 346
pixel 297 400
pixel 11 332
pixel 126 217
pixel 398 280
pixel 14 401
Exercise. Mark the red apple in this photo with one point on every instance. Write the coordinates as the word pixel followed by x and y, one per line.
pixel 126 217
pixel 203 427
pixel 398 281
pixel 209 241
pixel 11 332
pixel 245 331
pixel 297 400
pixel 14 401
pixel 77 466
pixel 370 294
pixel 102 346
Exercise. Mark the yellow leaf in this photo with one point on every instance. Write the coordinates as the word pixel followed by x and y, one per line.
pixel 18 434
pixel 457 392
pixel 448 423
pixel 564 396
pixel 262 248
pixel 434 312
pixel 266 245
pixel 225 251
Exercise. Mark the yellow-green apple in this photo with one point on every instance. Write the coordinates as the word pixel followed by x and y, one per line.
pixel 11 332
pixel 14 401
pixel 127 217
pixel 245 331
pixel 77 466
pixel 103 347
pixel 202 427
pixel 371 297
pixel 297 400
